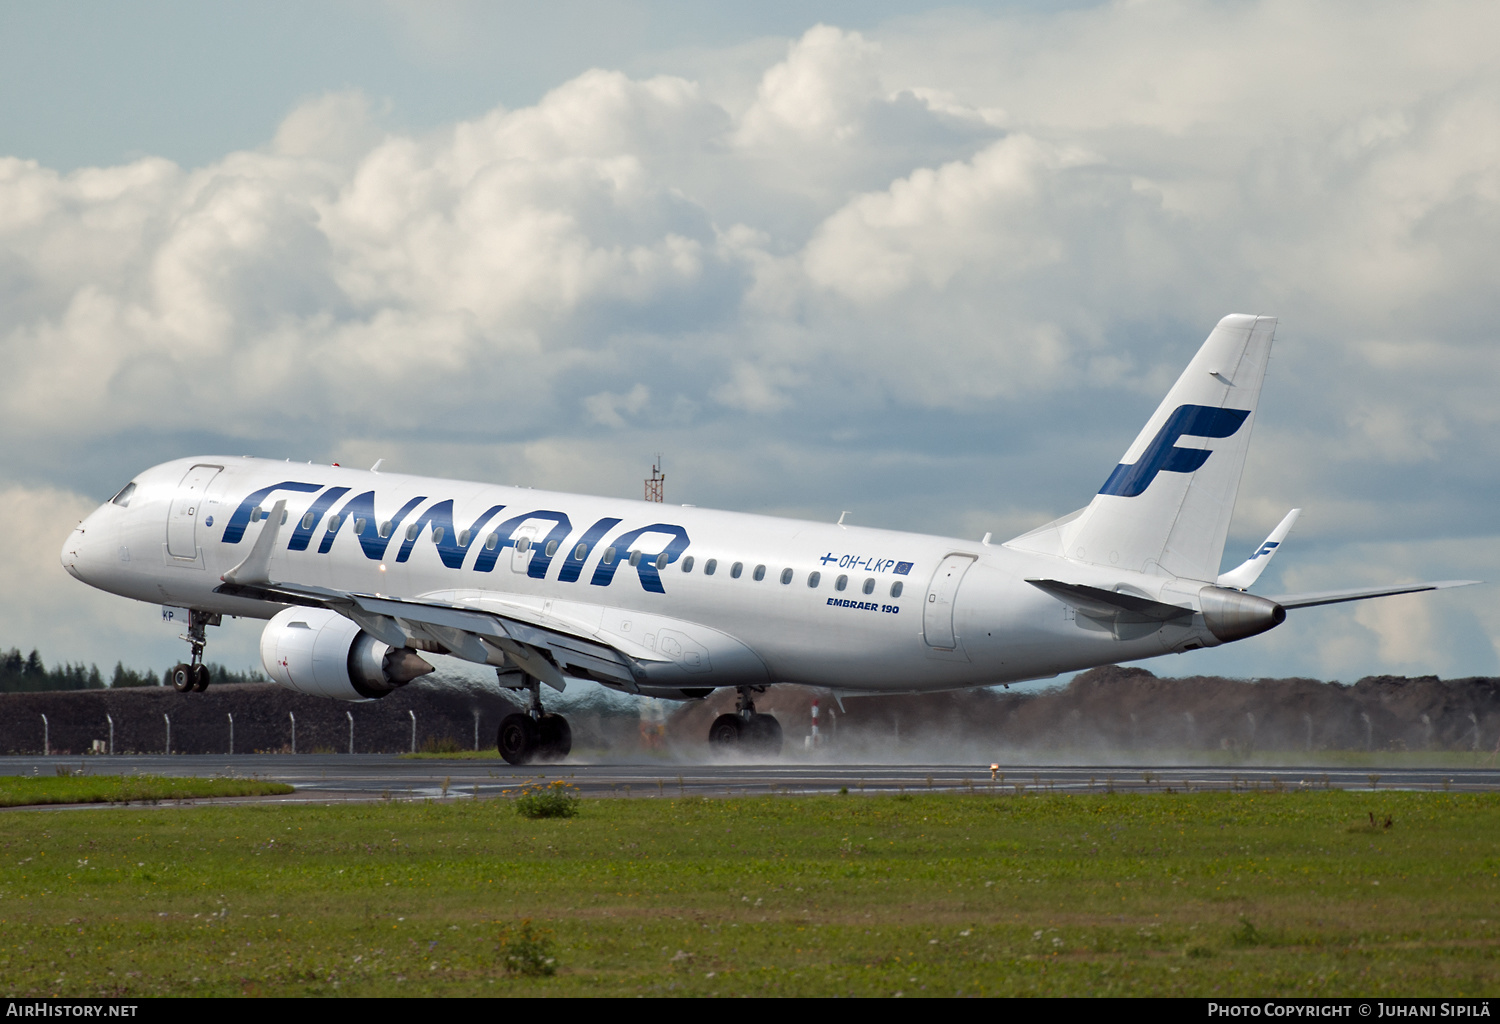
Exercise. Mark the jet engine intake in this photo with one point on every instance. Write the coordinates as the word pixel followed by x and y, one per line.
pixel 1233 615
pixel 319 652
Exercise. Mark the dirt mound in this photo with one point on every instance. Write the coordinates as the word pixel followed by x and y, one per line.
pixel 1111 709
pixel 1117 708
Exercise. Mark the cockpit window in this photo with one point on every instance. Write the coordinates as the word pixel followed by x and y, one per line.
pixel 123 498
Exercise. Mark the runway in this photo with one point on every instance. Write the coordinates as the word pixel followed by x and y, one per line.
pixel 323 778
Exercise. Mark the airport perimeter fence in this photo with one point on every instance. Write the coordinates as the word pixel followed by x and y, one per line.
pixel 1106 711
pixel 255 718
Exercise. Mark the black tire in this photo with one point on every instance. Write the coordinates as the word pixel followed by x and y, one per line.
pixel 518 739
pixel 726 732
pixel 200 678
pixel 182 678
pixel 555 740
pixel 765 737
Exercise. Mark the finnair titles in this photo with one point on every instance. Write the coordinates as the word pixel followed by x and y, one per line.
pixel 362 573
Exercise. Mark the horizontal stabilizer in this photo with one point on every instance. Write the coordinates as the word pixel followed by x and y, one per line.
pixel 1242 576
pixel 1360 594
pixel 1108 602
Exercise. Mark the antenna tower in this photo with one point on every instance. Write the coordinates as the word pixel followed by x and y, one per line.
pixel 655 480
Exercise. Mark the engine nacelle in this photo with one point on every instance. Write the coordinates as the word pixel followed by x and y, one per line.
pixel 319 652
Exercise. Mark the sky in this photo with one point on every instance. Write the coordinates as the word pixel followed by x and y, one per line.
pixel 932 264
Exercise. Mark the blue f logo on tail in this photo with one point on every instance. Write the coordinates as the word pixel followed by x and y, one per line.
pixel 1127 481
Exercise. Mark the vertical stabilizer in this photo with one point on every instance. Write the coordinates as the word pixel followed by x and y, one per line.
pixel 1166 507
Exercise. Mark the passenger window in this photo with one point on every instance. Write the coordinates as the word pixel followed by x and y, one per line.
pixel 463 538
pixel 896 588
pixel 736 569
pixel 760 573
pixel 437 534
pixel 123 498
pixel 869 587
pixel 635 558
pixel 333 524
pixel 491 541
pixel 523 545
pixel 710 566
pixel 581 552
pixel 359 527
pixel 661 561
pixel 609 556
pixel 687 564
pixel 551 548
pixel 307 521
pixel 786 576
pixel 841 583
pixel 813 579
pixel 412 531
pixel 385 528
pixel 255 514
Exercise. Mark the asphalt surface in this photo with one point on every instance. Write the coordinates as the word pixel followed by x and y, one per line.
pixel 322 778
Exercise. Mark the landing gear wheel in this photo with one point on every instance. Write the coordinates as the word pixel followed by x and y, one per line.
pixel 182 678
pixel 724 734
pixel 199 673
pixel 519 738
pixel 764 735
pixel 555 738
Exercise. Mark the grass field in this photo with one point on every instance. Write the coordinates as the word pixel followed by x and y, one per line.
pixel 1301 893
pixel 31 790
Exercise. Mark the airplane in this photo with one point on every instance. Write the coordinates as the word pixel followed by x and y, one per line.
pixel 361 573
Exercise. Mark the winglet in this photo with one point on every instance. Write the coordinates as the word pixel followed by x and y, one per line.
pixel 1243 575
pixel 256 568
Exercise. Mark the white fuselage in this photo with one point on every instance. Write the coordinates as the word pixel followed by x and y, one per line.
pixel 914 612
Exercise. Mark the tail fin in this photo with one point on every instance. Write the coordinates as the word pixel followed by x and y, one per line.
pixel 1166 507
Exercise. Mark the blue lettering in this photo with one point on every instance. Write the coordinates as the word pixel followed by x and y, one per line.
pixel 1128 481
pixel 440 516
pixel 241 518
pixel 573 565
pixel 540 560
pixel 646 569
pixel 362 506
pixel 302 535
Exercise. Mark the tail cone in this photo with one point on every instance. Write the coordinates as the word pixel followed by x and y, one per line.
pixel 1232 615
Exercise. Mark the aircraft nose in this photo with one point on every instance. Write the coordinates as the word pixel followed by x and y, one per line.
pixel 72 552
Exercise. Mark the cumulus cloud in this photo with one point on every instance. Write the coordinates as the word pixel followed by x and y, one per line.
pixel 939 271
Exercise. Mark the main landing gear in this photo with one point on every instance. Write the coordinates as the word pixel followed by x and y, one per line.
pixel 193 677
pixel 534 735
pixel 744 730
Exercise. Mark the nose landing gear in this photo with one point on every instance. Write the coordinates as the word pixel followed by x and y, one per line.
pixel 746 731
pixel 193 677
pixel 534 735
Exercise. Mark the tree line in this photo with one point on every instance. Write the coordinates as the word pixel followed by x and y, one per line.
pixel 27 674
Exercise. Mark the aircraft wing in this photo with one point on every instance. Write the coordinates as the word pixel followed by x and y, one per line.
pixel 512 636
pixel 1337 596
